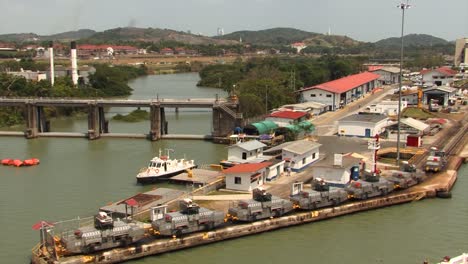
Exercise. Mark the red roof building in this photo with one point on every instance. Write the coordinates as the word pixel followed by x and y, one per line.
pixel 247 167
pixel 340 92
pixel 246 176
pixel 443 70
pixel 288 114
pixel 439 76
pixel 285 118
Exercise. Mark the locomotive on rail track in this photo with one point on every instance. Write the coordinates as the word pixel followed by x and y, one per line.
pixel 109 233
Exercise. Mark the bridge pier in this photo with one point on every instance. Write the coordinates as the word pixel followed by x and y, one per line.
pixel 155 122
pixel 31 121
pixel 94 128
pixel 103 123
pixel 225 120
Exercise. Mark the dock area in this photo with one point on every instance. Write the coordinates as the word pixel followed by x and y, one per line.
pixel 144 201
pixel 157 246
pixel 197 177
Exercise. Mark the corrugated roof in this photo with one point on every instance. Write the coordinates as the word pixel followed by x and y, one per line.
pixel 364 118
pixel 387 69
pixel 441 88
pixel 346 83
pixel 374 67
pixel 301 146
pixel 249 145
pixel 421 126
pixel 247 167
pixel 305 105
pixel 444 70
pixel 265 127
pixel 288 114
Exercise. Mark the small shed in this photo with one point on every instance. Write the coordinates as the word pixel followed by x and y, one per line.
pixel 413 141
pixel 248 151
pixel 337 170
pixel 300 154
pixel 362 125
pixel 413 125
pixel 246 177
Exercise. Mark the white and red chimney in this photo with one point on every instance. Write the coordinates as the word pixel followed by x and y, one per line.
pixel 74 64
pixel 51 57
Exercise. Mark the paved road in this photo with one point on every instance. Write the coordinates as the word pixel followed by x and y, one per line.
pixel 327 123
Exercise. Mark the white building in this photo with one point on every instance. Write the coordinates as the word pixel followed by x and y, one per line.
pixel 388 75
pixel 249 151
pixel 439 76
pixel 362 125
pixel 246 177
pixel 299 46
pixel 284 118
pixel 30 75
pixel 300 154
pixel 337 173
pixel 388 108
pixel 410 97
pixel 461 52
pixel 312 108
pixel 340 92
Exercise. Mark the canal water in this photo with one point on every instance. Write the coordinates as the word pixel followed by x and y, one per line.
pixel 77 176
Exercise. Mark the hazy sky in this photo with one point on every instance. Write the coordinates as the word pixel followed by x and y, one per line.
pixel 365 20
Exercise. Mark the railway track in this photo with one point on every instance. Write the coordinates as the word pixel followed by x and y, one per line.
pixel 450 141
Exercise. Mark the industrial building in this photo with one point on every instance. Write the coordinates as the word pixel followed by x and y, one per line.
pixel 461 52
pixel 362 125
pixel 338 93
pixel 439 76
pixel 388 75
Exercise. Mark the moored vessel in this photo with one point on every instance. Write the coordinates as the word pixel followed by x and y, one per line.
pixel 162 167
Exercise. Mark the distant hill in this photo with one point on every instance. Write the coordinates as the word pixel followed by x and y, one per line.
pixel 154 35
pixel 31 37
pixel 331 41
pixel 411 40
pixel 20 37
pixel 273 36
pixel 71 35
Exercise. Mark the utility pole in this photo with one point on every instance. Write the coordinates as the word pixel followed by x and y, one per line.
pixel 266 100
pixel 403 7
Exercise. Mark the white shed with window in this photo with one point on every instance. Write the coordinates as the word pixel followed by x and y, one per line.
pixel 301 154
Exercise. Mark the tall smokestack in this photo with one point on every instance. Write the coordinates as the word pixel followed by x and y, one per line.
pixel 74 64
pixel 51 57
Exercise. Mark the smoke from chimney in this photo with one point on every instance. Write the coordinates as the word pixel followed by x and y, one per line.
pixel 74 64
pixel 51 57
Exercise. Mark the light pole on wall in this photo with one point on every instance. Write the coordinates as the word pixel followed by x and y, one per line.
pixel 403 7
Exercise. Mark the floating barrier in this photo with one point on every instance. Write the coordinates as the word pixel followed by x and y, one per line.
pixel 19 163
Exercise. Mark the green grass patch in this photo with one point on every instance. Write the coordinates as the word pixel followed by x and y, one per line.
pixel 416 113
pixel 134 116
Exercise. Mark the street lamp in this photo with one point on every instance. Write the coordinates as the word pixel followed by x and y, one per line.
pixel 403 7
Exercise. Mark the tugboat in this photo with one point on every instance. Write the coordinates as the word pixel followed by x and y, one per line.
pixel 162 167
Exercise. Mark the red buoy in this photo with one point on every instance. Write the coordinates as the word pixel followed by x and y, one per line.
pixel 7 162
pixel 17 163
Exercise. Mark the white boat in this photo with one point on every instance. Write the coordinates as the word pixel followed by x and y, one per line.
pixel 162 167
pixel 462 259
